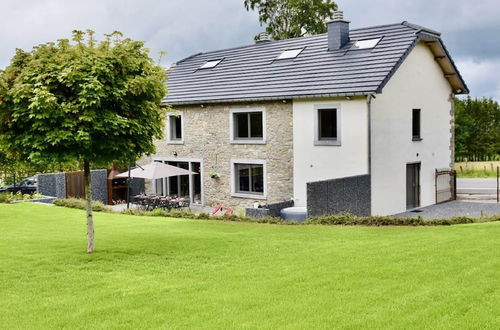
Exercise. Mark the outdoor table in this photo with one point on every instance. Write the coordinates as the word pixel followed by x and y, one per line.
pixel 152 202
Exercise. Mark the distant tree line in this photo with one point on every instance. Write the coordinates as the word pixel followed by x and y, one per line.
pixel 477 129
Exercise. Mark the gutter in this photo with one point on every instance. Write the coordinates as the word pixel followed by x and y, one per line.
pixel 263 98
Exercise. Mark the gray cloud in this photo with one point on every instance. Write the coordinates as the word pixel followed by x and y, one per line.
pixel 471 31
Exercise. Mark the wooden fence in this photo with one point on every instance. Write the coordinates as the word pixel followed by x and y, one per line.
pixel 75 186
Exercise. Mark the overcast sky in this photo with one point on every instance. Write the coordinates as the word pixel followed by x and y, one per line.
pixel 470 29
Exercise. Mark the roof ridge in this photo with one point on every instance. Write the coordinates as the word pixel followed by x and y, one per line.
pixel 187 58
pixel 378 26
pixel 420 28
pixel 284 40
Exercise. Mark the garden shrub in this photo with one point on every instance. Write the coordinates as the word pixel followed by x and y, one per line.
pixel 5 197
pixel 8 197
pixel 77 203
pixel 345 219
pixel 351 220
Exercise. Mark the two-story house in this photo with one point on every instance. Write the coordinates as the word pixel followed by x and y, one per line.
pixel 260 122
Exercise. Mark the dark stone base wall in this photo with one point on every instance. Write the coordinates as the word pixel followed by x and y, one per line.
pixel 99 182
pixel 269 210
pixel 137 186
pixel 54 184
pixel 350 194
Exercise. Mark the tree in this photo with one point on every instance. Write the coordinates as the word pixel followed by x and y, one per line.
pixel 92 101
pixel 293 18
pixel 477 129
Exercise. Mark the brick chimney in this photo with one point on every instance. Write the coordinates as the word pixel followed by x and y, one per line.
pixel 338 31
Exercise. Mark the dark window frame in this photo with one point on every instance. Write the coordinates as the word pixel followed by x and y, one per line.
pixel 237 183
pixel 320 140
pixel 416 125
pixel 236 117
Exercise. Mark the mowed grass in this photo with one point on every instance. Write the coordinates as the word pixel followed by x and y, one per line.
pixel 165 273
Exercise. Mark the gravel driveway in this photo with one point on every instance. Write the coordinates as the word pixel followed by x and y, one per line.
pixel 452 209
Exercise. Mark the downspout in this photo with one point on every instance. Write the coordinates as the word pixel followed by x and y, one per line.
pixel 369 99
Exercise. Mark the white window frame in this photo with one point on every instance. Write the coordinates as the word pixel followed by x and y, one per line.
pixel 365 43
pixel 235 140
pixel 317 140
pixel 289 54
pixel 233 178
pixel 210 64
pixel 191 180
pixel 169 128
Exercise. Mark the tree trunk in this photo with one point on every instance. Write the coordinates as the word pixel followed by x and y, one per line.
pixel 88 197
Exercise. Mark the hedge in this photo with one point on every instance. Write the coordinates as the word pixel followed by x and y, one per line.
pixel 344 219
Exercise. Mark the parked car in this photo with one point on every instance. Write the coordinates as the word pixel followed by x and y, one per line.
pixel 26 186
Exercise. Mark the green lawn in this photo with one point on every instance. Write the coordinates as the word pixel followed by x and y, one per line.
pixel 150 272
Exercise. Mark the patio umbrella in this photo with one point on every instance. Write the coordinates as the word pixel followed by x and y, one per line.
pixel 155 170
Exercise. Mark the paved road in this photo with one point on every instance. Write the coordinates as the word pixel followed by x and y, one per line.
pixel 453 209
pixel 477 186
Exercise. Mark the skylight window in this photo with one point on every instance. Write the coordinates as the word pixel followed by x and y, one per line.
pixel 291 53
pixel 210 64
pixel 365 44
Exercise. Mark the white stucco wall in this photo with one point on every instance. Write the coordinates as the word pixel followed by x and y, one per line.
pixel 315 163
pixel 418 84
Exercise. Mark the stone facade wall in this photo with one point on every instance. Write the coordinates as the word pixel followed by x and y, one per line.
pixel 207 136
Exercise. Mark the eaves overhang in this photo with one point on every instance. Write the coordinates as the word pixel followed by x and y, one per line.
pixel 441 55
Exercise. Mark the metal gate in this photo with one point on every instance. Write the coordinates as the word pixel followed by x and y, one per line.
pixel 446 185
pixel 74 185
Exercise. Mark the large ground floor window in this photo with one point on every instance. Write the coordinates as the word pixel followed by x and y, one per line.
pixel 248 178
pixel 185 186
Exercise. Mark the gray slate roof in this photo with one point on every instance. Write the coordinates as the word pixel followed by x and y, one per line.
pixel 252 72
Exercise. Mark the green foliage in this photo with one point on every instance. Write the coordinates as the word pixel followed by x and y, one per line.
pixel 477 129
pixel 293 18
pixel 91 100
pixel 345 219
pixel 5 197
pixel 477 173
pixel 182 214
pixel 76 203
pixel 8 197
pixel 351 220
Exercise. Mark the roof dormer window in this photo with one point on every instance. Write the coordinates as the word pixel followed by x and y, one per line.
pixel 210 64
pixel 365 44
pixel 290 53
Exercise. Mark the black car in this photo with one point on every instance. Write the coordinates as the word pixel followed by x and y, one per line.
pixel 26 186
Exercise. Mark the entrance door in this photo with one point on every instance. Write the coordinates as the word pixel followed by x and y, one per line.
pixel 186 186
pixel 412 185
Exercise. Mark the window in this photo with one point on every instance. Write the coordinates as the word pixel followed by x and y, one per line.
pixel 291 53
pixel 210 64
pixel 327 125
pixel 247 126
pixel 365 44
pixel 174 129
pixel 248 178
pixel 186 186
pixel 415 125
